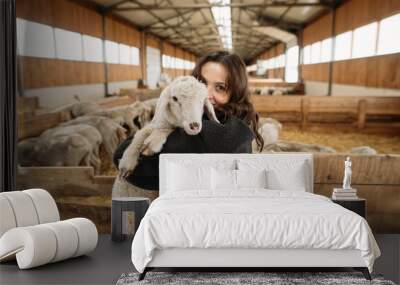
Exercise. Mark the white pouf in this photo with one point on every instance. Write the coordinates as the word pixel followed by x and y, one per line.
pixel 31 232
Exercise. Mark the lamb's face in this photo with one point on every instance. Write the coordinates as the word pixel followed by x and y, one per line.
pixel 186 102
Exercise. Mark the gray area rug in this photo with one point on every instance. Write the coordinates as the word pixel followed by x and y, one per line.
pixel 273 278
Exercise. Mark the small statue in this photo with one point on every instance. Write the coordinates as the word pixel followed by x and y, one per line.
pixel 347 174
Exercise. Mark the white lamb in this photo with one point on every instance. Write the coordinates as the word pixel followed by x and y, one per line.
pixel 59 136
pixel 112 133
pixel 126 115
pixel 181 104
pixel 269 130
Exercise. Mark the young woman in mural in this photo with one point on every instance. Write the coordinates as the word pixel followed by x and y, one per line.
pixel 225 76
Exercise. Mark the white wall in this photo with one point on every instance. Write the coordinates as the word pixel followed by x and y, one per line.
pixel 316 88
pixel 54 97
pixel 153 66
pixel 321 88
pixel 58 96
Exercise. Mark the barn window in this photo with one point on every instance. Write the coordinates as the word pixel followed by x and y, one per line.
pixel 326 50
pixel 68 44
pixel 307 54
pixel 364 40
pixel 35 39
pixel 389 34
pixel 124 54
pixel 222 17
pixel 271 63
pixel 316 52
pixel 112 52
pixel 343 46
pixel 280 60
pixel 179 63
pixel 92 49
pixel 291 71
pixel 260 67
pixel 173 62
pixel 164 61
pixel 135 56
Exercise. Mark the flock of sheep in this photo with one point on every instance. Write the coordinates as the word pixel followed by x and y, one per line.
pixel 78 141
pixel 270 130
pixel 274 91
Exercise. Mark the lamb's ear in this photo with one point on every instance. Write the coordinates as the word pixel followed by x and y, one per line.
pixel 210 110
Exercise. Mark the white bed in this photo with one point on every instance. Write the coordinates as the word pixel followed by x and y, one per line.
pixel 203 219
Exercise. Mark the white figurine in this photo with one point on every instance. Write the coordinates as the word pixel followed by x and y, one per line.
pixel 347 174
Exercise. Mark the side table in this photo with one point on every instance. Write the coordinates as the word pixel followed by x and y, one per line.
pixel 125 210
pixel 357 205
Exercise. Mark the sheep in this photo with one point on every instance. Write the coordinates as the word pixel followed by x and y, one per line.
pixel 67 150
pixel 27 153
pixel 181 104
pixel 147 114
pixel 269 130
pixel 287 146
pixel 277 92
pixel 125 115
pixel 164 80
pixel 83 108
pixel 266 91
pixel 256 90
pixel 112 133
pixel 90 133
pixel 363 150
pixel 78 108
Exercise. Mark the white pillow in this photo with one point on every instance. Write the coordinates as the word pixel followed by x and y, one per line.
pixel 282 173
pixel 227 179
pixel 293 178
pixel 183 178
pixel 251 178
pixel 223 179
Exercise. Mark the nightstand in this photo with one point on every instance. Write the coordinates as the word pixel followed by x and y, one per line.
pixel 126 214
pixel 358 205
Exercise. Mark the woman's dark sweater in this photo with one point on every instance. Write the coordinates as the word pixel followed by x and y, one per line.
pixel 231 136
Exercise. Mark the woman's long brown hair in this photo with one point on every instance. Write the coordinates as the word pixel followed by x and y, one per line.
pixel 239 104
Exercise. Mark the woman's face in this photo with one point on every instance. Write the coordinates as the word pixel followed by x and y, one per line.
pixel 214 76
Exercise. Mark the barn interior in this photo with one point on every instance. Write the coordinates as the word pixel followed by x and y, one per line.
pixel 323 75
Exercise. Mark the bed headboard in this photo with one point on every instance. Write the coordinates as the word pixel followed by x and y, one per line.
pixel 213 158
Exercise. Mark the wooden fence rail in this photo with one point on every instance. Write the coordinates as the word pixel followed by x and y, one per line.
pixel 376 177
pixel 373 114
pixel 33 121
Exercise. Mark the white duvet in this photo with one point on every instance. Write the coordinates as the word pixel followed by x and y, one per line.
pixel 253 218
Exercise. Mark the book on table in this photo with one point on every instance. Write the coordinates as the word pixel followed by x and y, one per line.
pixel 344 194
pixel 341 190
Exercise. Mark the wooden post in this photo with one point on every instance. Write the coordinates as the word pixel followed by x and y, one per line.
pixel 361 113
pixel 300 58
pixel 143 55
pixel 305 105
pixel 106 87
pixel 333 23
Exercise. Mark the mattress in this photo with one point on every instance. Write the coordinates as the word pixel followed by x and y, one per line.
pixel 250 219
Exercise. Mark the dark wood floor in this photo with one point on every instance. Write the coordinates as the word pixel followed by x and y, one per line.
pixel 110 260
pixel 103 266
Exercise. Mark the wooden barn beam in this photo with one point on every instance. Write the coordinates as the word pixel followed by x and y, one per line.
pixel 170 18
pixel 279 23
pixel 282 16
pixel 232 5
pixel 185 20
pixel 333 32
pixel 114 6
pixel 214 28
pixel 162 21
